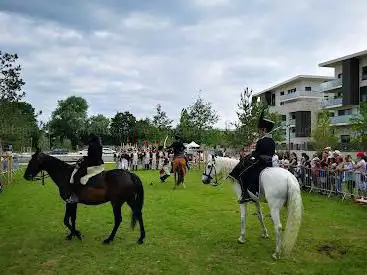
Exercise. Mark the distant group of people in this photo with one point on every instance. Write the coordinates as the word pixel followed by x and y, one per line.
pixel 164 160
pixel 148 159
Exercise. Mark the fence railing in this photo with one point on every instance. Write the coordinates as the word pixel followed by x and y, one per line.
pixel 8 166
pixel 344 184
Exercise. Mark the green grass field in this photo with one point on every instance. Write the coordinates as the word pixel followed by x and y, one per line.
pixel 191 231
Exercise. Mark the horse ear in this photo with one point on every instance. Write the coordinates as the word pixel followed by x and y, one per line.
pixel 38 150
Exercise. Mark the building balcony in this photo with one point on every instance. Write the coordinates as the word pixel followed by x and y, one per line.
pixel 327 103
pixel 331 85
pixel 342 120
pixel 299 94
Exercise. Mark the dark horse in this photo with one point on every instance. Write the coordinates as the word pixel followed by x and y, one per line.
pixel 117 186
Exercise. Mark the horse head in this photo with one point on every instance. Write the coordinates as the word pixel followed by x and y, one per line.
pixel 209 170
pixel 34 165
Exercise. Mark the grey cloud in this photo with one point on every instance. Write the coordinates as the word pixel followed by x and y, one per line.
pixel 129 55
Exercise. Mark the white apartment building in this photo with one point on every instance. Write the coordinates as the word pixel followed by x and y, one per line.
pixel 297 99
pixel 343 95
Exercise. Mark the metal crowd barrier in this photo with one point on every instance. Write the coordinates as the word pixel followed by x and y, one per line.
pixel 330 182
pixel 9 165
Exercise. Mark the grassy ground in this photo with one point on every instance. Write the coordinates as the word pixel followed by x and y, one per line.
pixel 191 231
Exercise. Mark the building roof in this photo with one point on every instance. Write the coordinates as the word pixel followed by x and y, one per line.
pixel 333 62
pixel 293 79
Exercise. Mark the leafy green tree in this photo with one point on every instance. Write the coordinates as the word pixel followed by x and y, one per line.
pixel 69 119
pixel 185 127
pixel 322 135
pixel 99 125
pixel 18 124
pixel 248 114
pixel 202 116
pixel 123 127
pixel 10 79
pixel 160 119
pixel 359 125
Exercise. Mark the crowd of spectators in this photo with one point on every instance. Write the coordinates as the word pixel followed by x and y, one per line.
pixel 327 170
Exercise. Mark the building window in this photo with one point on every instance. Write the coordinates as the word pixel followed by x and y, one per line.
pixel 345 138
pixel 284 118
pixel 307 88
pixel 344 112
pixel 340 75
pixel 364 73
pixel 272 99
pixel 282 93
pixel 291 91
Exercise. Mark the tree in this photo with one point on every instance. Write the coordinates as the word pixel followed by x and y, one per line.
pixel 322 135
pixel 359 125
pixel 248 114
pixel 18 124
pixel 10 80
pixel 202 116
pixel 99 125
pixel 160 119
pixel 69 119
pixel 123 127
pixel 184 128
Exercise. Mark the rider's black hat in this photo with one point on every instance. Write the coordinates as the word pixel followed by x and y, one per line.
pixel 264 123
pixel 94 139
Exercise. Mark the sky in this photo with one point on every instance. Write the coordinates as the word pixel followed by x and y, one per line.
pixel 132 55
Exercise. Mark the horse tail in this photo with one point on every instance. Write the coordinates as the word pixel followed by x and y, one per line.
pixel 295 211
pixel 138 201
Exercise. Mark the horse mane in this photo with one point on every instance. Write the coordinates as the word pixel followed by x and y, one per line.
pixel 225 163
pixel 55 162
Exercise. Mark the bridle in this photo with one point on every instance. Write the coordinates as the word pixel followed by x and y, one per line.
pixel 41 177
pixel 216 182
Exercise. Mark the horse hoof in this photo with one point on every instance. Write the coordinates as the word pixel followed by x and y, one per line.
pixel 69 237
pixel 107 241
pixel 241 241
pixel 276 256
pixel 79 235
pixel 139 241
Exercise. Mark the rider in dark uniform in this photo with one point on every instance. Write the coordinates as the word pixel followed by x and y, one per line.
pixel 179 157
pixel 94 158
pixel 247 171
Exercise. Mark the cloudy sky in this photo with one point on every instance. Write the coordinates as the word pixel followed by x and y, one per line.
pixel 129 55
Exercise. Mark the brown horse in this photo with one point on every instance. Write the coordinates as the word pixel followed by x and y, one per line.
pixel 115 186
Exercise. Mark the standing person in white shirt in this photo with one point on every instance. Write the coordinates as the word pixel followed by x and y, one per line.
pixel 360 169
pixel 135 160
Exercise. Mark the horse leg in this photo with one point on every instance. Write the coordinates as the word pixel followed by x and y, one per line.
pixel 116 206
pixel 137 215
pixel 261 220
pixel 66 221
pixel 241 239
pixel 275 215
pixel 183 178
pixel 73 209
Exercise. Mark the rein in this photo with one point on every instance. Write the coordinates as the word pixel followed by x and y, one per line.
pixel 45 175
pixel 42 177
pixel 216 182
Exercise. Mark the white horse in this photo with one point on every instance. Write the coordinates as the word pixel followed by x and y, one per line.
pixel 278 186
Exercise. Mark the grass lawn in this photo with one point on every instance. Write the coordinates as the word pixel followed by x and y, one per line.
pixel 191 231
